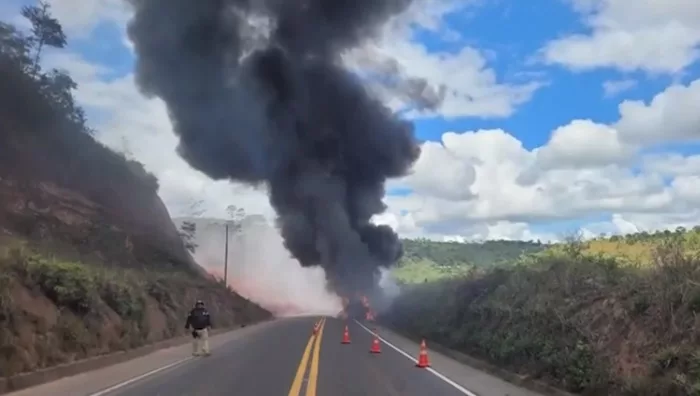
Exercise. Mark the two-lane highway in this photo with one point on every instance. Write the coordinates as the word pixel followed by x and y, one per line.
pixel 350 369
pixel 286 357
pixel 353 370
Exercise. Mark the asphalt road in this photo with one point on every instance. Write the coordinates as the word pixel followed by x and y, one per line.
pixel 284 358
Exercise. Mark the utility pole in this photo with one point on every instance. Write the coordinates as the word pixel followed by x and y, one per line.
pixel 226 258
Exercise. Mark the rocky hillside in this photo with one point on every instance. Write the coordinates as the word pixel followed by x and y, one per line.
pixel 90 261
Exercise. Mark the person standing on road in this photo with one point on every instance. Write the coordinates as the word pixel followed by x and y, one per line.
pixel 200 321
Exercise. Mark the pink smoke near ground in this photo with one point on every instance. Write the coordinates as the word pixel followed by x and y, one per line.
pixel 262 270
pixel 260 296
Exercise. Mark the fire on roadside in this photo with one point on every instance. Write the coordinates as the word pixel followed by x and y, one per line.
pixel 369 312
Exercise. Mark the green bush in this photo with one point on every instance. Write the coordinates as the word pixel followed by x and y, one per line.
pixel 68 284
pixel 123 297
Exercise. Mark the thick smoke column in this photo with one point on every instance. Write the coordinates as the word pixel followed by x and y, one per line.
pixel 268 102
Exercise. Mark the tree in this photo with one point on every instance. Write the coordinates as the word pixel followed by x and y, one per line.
pixel 57 85
pixel 575 244
pixel 15 48
pixel 188 231
pixel 25 53
pixel 46 30
pixel 236 216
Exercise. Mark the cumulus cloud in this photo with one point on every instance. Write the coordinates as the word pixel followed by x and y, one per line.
pixel 671 164
pixel 630 35
pixel 585 169
pixel 583 144
pixel 672 115
pixel 616 87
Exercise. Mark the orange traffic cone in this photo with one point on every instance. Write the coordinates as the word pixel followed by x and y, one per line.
pixel 346 336
pixel 316 326
pixel 376 347
pixel 423 356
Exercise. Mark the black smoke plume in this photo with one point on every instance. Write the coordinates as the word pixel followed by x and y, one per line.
pixel 257 93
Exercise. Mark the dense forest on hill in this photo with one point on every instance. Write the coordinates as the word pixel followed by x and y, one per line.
pixel 479 254
pixel 425 260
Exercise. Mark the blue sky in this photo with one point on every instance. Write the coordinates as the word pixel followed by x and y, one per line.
pixel 510 36
pixel 515 31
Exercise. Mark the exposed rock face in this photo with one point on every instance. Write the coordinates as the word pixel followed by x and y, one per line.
pixel 47 212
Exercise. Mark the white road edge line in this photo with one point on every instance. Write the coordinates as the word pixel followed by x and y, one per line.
pixel 140 377
pixel 430 369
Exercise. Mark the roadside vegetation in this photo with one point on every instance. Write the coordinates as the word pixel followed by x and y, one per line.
pixel 90 261
pixel 594 318
pixel 54 311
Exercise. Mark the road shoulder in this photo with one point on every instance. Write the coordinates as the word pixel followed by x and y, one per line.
pixel 480 377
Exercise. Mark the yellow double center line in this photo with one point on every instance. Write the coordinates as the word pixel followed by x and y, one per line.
pixel 315 345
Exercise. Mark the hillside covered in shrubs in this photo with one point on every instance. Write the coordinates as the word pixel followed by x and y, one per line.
pixel 577 315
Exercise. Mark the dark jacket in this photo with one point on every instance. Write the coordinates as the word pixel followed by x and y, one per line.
pixel 198 319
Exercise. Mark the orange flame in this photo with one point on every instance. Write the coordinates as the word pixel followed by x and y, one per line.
pixel 369 315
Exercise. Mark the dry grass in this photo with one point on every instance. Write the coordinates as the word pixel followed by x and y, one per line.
pixel 638 249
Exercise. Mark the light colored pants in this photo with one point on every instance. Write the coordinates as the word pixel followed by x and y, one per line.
pixel 200 344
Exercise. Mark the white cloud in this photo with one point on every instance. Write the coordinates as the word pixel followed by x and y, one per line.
pixel 453 182
pixel 585 169
pixel 672 115
pixel 141 126
pixel 615 87
pixel 653 36
pixel 471 88
pixel 78 21
pixel 670 164
pixel 583 144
